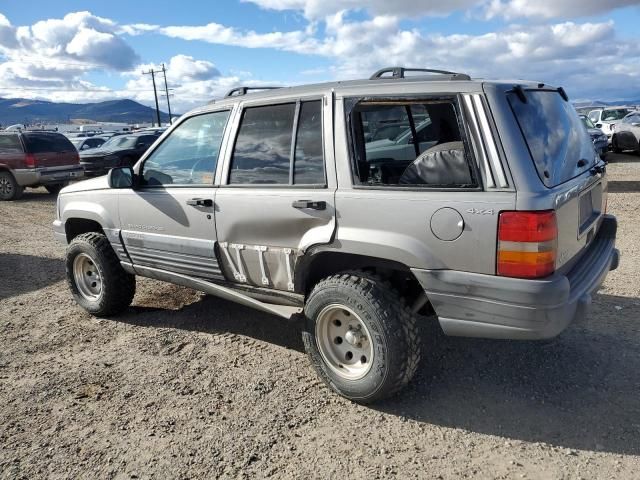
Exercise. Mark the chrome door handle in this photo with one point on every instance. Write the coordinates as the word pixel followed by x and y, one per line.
pixel 200 202
pixel 309 204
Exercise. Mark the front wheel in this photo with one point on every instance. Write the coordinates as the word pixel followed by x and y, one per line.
pixel 96 279
pixel 362 339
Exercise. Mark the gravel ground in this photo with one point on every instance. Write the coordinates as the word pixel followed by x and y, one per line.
pixel 185 385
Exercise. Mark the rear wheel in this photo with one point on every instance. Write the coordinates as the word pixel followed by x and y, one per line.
pixel 9 188
pixel 97 280
pixel 362 339
pixel 54 188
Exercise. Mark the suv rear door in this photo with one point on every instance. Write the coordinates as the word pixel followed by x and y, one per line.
pixel 276 197
pixel 11 151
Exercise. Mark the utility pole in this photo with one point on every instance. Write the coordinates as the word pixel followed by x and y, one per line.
pixel 155 92
pixel 166 89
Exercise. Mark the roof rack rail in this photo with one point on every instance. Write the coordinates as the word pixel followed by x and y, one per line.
pixel 399 72
pixel 243 90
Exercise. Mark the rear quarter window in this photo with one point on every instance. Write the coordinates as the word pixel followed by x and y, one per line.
pixel 559 144
pixel 44 143
pixel 10 144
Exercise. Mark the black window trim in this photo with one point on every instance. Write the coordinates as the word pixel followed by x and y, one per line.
pixel 149 153
pixel 298 101
pixel 351 102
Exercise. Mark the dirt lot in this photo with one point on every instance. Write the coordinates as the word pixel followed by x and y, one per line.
pixel 186 386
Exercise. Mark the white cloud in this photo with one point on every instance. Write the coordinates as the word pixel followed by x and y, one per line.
pixel 79 37
pixel 402 8
pixel 192 82
pixel 295 41
pixel 549 9
pixel 509 9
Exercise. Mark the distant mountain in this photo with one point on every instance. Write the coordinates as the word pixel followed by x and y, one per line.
pixel 600 103
pixel 20 110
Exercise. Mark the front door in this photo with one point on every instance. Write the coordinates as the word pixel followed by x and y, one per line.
pixel 168 222
pixel 276 197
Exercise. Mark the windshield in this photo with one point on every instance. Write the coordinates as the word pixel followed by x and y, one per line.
pixel 560 146
pixel 617 114
pixel 587 122
pixel 77 142
pixel 120 142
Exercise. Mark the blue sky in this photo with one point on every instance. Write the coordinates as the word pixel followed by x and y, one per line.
pixel 84 51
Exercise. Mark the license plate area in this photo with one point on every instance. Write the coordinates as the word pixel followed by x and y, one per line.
pixel 589 208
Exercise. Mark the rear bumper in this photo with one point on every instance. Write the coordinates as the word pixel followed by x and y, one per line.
pixel 488 306
pixel 28 177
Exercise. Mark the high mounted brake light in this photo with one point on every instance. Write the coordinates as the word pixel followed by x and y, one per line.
pixel 527 244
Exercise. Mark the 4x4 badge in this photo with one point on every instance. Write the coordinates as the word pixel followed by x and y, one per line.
pixel 481 211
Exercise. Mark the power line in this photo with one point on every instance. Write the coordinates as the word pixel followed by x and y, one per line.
pixel 153 72
pixel 166 89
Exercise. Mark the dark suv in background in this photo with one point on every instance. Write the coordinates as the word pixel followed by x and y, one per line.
pixel 118 151
pixel 34 159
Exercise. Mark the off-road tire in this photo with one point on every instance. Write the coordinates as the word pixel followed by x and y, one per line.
pixel 9 188
pixel 394 330
pixel 54 188
pixel 118 286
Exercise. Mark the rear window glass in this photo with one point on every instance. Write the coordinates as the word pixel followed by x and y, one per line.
pixel 10 144
pixel 560 146
pixel 45 143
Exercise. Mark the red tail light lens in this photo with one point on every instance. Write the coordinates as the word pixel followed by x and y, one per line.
pixel 527 244
pixel 30 160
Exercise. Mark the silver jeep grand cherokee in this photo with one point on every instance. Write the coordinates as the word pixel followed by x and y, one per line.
pixel 368 206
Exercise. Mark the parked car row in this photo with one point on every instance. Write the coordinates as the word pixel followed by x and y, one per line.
pixel 619 126
pixel 50 159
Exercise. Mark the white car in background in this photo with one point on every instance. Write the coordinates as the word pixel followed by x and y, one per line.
pixel 627 134
pixel 607 118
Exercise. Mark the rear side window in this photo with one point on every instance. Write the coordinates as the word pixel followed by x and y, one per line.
pixel 309 159
pixel 560 146
pixel 10 144
pixel 409 144
pixel 45 143
pixel 265 152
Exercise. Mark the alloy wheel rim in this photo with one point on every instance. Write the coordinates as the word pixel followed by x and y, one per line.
pixel 87 277
pixel 5 186
pixel 344 342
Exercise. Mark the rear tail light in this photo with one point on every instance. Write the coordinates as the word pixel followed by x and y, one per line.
pixel 527 244
pixel 30 160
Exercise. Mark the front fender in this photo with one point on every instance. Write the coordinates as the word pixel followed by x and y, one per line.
pixel 98 206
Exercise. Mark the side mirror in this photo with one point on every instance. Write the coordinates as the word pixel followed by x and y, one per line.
pixel 598 125
pixel 121 177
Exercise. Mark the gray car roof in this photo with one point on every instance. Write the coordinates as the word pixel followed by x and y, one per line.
pixel 429 84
